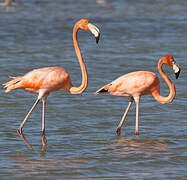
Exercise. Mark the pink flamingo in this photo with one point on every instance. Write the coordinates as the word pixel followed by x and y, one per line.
pixel 139 83
pixel 43 81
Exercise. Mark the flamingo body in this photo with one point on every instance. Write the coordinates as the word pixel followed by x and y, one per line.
pixel 47 79
pixel 134 84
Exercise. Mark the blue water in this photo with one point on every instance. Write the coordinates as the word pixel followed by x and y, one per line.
pixel 80 129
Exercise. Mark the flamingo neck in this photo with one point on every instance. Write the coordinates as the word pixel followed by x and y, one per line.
pixel 84 83
pixel 156 94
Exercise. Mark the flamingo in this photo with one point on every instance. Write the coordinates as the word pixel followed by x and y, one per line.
pixel 139 83
pixel 45 80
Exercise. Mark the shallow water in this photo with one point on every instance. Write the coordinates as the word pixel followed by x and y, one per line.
pixel 80 130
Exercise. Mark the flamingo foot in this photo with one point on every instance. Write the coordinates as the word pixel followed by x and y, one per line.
pixel 118 131
pixel 136 133
pixel 19 131
pixel 44 141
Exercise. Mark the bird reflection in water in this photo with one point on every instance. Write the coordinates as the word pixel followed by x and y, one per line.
pixel 148 147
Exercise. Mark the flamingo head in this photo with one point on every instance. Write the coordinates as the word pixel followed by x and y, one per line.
pixel 176 69
pixel 87 26
pixel 169 60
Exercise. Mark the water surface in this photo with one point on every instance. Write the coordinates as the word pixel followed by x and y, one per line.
pixel 80 129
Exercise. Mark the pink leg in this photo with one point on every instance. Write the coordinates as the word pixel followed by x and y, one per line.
pixel 23 137
pixel 124 116
pixel 27 116
pixel 43 124
pixel 137 100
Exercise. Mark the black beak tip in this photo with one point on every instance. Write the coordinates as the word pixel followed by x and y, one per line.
pixel 97 39
pixel 177 74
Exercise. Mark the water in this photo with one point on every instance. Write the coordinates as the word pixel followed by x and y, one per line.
pixel 80 129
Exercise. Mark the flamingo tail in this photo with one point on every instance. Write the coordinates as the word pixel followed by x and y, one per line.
pixel 103 90
pixel 13 84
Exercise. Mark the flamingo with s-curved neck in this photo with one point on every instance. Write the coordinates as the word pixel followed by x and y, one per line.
pixel 139 83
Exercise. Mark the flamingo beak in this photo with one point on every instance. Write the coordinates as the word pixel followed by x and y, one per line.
pixel 95 31
pixel 176 70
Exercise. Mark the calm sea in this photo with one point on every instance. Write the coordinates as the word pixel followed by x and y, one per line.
pixel 80 129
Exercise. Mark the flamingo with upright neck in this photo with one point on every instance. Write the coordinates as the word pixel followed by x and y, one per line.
pixel 139 83
pixel 43 81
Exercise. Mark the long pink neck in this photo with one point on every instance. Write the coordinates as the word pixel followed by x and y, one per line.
pixel 156 94
pixel 84 84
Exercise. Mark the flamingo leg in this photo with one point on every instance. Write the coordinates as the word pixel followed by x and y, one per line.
pixel 43 123
pixel 23 137
pixel 19 131
pixel 124 116
pixel 137 100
